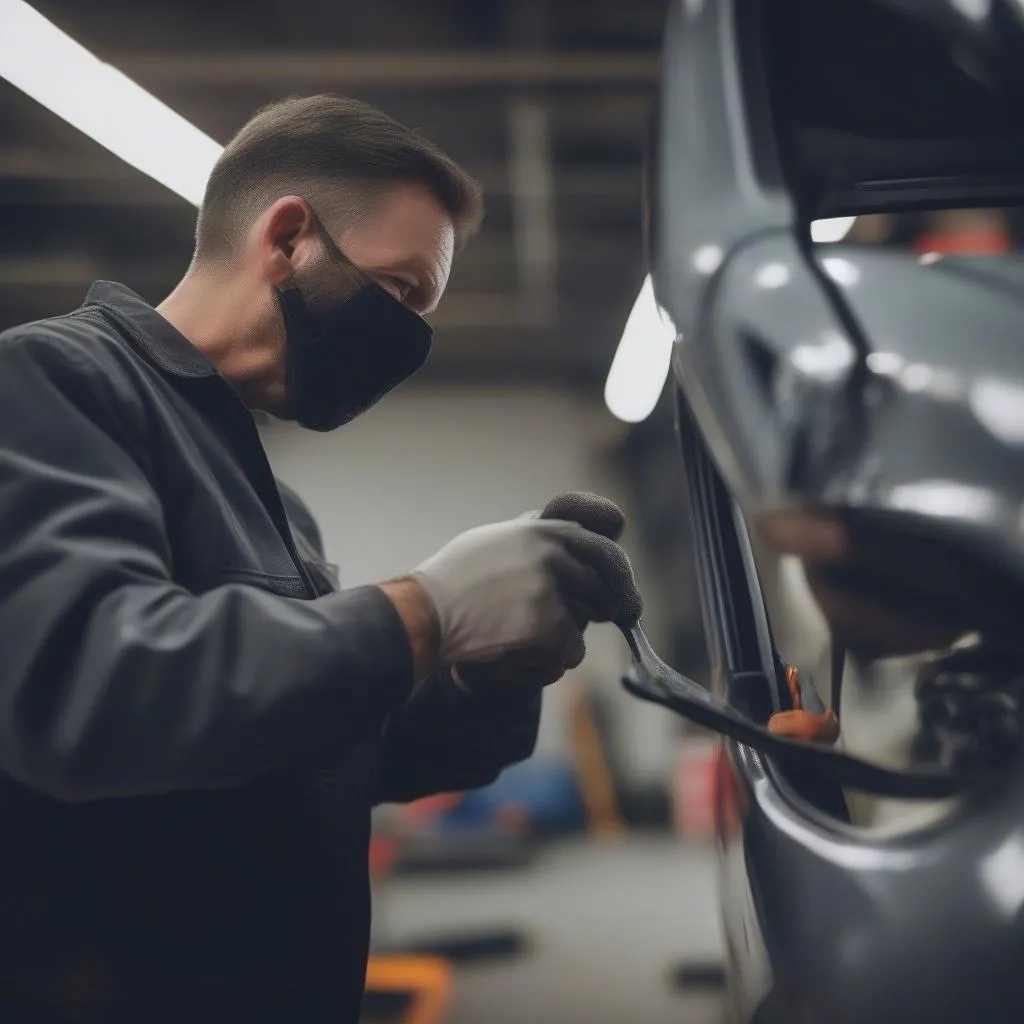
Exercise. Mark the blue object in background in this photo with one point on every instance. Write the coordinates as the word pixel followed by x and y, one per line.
pixel 545 788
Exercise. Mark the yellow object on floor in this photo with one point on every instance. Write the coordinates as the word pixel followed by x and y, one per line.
pixel 593 773
pixel 425 981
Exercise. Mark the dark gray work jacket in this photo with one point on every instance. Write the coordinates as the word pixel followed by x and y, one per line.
pixel 194 722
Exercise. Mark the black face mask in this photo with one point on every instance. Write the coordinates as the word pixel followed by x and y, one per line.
pixel 345 351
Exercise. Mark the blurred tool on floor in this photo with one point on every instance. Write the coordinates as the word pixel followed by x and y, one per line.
pixel 406 990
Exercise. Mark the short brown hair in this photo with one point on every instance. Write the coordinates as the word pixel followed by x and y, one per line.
pixel 333 151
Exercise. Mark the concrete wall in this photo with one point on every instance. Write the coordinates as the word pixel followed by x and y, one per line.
pixel 394 485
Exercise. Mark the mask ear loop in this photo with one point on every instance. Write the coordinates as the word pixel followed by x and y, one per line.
pixel 358 277
pixel 362 280
pixel 332 247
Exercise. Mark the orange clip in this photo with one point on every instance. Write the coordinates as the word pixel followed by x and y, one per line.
pixel 799 724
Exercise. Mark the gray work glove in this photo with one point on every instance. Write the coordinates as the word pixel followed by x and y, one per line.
pixel 533 669
pixel 605 521
pixel 527 586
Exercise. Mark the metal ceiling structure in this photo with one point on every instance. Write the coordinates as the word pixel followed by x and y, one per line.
pixel 545 101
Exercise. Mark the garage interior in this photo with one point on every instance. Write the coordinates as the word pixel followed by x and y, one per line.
pixel 583 886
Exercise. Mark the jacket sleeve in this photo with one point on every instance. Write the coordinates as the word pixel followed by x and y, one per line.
pixel 447 740
pixel 444 739
pixel 116 681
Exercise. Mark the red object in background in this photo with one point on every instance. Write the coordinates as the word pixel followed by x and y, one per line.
pixel 994 243
pixel 383 854
pixel 729 796
pixel 694 788
pixel 384 849
pixel 431 807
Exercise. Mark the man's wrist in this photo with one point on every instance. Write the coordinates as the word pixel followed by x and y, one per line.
pixel 419 618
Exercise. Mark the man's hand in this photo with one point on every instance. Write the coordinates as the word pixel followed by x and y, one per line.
pixel 523 671
pixel 517 586
pixel 523 590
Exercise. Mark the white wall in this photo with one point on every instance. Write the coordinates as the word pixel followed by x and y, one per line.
pixel 394 485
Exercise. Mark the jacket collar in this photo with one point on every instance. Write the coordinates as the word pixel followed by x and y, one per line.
pixel 164 344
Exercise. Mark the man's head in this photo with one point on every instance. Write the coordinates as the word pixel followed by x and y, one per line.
pixel 316 209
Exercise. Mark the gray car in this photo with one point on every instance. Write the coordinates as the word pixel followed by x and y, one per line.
pixel 851 422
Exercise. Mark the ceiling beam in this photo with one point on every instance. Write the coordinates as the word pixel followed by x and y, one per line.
pixel 108 180
pixel 414 69
pixel 583 249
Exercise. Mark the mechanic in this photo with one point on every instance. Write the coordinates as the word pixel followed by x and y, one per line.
pixel 194 720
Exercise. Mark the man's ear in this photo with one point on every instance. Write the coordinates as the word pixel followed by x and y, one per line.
pixel 285 236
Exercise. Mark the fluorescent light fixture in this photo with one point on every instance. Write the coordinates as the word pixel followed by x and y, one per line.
pixel 48 65
pixel 642 360
pixel 834 229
